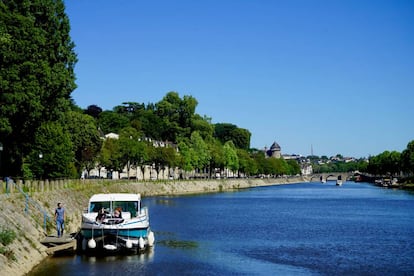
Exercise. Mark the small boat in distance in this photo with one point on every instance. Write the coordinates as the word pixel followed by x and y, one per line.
pixel 115 222
pixel 339 180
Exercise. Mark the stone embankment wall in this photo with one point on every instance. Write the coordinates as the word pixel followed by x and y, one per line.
pixel 26 217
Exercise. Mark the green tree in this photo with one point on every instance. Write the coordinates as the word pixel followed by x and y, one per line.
pixel 231 160
pixel 150 123
pixel 110 156
pixel 407 158
pixel 222 131
pixel 241 138
pixel 393 163
pixel 147 155
pixel 110 121
pixel 186 157
pixel 217 155
pixel 201 154
pixel 152 155
pixel 129 109
pixel 264 165
pixel 229 132
pixel 293 167
pixel 385 163
pixel 37 73
pixel 165 156
pixel 203 126
pixel 85 139
pixel 278 166
pixel 93 110
pixel 177 115
pixel 247 163
pixel 52 156
pixel 130 148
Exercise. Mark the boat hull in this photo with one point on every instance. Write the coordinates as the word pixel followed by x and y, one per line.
pixel 131 234
pixel 101 240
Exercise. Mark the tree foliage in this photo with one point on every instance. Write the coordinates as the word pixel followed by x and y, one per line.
pixel 52 157
pixel 37 73
pixel 85 138
pixel 228 132
pixel 407 158
pixel 110 121
pixel 385 163
pixel 131 149
pixel 231 160
pixel 201 154
pixel 110 155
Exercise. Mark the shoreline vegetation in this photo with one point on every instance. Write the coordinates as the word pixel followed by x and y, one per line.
pixel 24 222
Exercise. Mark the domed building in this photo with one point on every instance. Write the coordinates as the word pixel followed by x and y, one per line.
pixel 275 151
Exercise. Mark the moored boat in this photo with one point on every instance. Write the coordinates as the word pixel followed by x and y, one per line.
pixel 114 222
pixel 339 181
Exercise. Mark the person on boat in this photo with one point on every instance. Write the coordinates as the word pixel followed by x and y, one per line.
pixel 60 219
pixel 101 215
pixel 118 213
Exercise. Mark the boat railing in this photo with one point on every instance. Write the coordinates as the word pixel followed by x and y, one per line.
pixel 144 212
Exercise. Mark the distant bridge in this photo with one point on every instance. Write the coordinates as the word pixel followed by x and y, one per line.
pixel 330 176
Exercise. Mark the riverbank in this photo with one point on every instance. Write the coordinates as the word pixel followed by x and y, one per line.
pixel 26 221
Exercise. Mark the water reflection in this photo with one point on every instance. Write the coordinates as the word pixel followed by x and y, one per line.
pixel 93 265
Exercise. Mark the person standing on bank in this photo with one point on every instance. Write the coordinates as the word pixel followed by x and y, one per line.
pixel 60 219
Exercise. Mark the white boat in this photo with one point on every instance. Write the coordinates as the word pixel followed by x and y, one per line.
pixel 339 181
pixel 102 230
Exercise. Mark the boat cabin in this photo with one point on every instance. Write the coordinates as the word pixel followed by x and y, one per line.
pixel 129 204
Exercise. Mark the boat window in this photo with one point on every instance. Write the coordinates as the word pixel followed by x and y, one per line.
pixel 127 206
pixel 98 205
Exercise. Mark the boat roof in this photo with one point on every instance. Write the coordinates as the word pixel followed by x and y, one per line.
pixel 115 197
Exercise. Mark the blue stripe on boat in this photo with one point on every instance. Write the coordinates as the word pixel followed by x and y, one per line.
pixel 132 233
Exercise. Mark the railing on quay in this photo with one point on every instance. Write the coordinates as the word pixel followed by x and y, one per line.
pixel 29 187
pixel 11 185
pixel 34 186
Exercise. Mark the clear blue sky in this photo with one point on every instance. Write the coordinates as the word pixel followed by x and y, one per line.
pixel 337 75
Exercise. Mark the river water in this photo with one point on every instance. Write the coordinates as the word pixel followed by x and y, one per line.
pixel 300 229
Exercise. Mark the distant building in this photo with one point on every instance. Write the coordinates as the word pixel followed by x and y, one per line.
pixel 306 169
pixel 296 157
pixel 111 136
pixel 275 151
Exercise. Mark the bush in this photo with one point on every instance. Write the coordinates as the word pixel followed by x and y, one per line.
pixel 8 253
pixel 7 236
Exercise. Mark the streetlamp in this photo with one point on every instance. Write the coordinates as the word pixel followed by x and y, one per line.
pixel 40 158
pixel 1 150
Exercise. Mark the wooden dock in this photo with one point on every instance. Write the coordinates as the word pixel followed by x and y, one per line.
pixel 54 244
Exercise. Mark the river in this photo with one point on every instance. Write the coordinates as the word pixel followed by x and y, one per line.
pixel 300 229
